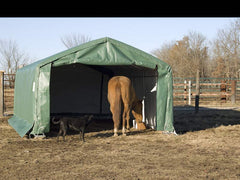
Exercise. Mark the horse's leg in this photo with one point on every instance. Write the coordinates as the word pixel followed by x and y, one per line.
pixel 123 121
pixel 116 120
pixel 116 124
pixel 125 117
pixel 128 117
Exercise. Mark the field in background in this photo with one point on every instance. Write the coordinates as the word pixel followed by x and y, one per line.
pixel 207 147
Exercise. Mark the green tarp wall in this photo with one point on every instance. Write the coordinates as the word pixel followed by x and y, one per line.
pixel 32 88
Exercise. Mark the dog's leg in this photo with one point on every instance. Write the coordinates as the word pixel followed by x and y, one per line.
pixel 59 133
pixel 82 131
pixel 61 127
pixel 64 133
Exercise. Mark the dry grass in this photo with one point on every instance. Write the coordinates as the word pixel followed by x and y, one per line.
pixel 198 153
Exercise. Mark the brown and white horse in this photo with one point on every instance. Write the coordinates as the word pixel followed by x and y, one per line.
pixel 120 90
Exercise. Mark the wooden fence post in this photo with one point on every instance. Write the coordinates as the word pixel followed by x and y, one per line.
pixel 233 91
pixel 185 92
pixel 197 91
pixel 223 89
pixel 1 93
pixel 189 93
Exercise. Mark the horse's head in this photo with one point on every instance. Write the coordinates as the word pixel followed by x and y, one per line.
pixel 137 111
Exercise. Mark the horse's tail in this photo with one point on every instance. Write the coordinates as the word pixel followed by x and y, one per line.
pixel 114 98
pixel 118 100
pixel 115 101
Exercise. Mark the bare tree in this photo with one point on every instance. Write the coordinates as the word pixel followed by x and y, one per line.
pixel 11 57
pixel 73 40
pixel 186 55
pixel 227 48
pixel 192 54
pixel 198 52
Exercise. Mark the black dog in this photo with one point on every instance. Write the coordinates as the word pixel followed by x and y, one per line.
pixel 74 123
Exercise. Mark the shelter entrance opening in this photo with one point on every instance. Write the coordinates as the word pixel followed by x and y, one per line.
pixel 79 89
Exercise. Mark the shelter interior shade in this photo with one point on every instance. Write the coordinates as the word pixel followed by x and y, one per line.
pixel 82 89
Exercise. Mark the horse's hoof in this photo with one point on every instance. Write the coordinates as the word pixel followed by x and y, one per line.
pixel 115 135
pixel 124 134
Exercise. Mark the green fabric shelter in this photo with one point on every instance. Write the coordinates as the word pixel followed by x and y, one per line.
pixel 40 90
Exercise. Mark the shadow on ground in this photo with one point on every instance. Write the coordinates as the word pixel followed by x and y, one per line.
pixel 186 120
pixel 95 126
pixel 103 126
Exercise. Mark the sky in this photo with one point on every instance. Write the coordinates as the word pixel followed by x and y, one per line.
pixel 41 37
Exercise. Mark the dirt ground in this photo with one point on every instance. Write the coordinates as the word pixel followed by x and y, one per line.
pixel 207 147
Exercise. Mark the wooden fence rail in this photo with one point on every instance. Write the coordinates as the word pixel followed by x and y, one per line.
pixel 211 90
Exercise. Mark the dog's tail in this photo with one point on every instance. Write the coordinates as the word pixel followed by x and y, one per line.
pixel 89 120
pixel 55 121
